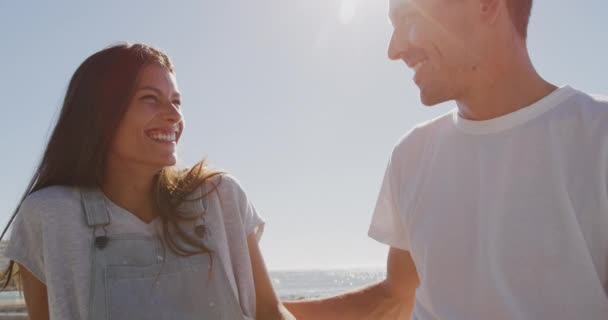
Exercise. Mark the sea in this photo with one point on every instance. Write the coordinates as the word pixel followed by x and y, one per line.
pixel 303 284
pixel 289 285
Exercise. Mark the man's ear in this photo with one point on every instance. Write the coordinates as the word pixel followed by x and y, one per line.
pixel 489 10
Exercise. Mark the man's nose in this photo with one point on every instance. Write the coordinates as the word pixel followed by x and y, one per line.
pixel 397 46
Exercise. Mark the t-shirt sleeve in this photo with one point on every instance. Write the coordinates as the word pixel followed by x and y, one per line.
pixel 387 225
pixel 252 221
pixel 25 245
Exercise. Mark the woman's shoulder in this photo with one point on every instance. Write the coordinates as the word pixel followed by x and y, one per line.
pixel 226 185
pixel 51 200
pixel 54 195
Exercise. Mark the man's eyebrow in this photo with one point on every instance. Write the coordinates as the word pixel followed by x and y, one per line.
pixel 406 11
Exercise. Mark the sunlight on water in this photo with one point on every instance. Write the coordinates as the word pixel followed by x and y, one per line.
pixel 293 285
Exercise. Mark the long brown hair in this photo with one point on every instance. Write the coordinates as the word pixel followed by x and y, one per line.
pixel 95 102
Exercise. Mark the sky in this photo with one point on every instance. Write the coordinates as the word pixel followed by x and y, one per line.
pixel 297 99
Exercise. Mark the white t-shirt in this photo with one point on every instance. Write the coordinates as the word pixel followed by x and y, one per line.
pixel 51 239
pixel 505 218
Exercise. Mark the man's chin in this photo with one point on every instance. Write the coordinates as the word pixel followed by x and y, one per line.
pixel 429 98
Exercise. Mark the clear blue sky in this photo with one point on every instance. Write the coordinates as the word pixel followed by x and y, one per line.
pixel 295 98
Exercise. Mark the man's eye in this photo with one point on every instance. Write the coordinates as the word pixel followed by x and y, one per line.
pixel 406 22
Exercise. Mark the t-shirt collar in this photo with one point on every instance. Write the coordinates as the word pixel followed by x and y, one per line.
pixel 515 118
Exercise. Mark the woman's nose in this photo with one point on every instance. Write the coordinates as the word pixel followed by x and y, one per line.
pixel 172 113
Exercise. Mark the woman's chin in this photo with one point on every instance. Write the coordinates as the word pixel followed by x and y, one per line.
pixel 170 162
pixel 166 162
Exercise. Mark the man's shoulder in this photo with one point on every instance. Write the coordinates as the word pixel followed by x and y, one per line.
pixel 597 104
pixel 593 104
pixel 420 135
pixel 589 112
pixel 600 99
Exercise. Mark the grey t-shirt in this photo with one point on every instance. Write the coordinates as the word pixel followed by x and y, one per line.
pixel 51 239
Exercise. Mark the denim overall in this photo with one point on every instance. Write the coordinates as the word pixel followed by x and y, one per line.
pixel 137 277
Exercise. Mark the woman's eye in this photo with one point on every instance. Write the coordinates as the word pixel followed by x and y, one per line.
pixel 177 103
pixel 149 98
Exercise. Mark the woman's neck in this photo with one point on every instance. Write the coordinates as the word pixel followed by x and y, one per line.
pixel 131 187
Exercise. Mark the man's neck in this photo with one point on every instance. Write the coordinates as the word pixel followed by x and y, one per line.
pixel 510 86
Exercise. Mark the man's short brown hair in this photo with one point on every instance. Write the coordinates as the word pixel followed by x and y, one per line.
pixel 520 10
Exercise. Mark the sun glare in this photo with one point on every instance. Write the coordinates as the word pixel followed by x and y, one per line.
pixel 348 10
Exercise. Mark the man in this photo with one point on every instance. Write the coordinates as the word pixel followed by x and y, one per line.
pixel 499 209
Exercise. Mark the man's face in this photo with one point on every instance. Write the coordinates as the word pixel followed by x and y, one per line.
pixel 436 39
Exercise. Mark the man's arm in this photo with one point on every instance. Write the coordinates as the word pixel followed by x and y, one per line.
pixel 392 298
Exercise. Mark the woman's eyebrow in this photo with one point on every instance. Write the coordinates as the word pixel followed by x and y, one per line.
pixel 150 88
pixel 159 92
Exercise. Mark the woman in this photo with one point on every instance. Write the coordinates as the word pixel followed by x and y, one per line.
pixel 110 229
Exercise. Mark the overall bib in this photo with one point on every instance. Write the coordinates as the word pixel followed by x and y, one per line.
pixel 138 277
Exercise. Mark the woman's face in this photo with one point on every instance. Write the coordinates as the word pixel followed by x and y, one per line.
pixel 148 134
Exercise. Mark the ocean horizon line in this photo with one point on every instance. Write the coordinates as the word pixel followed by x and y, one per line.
pixel 358 267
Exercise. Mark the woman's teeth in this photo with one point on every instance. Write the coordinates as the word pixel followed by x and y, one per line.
pixel 162 137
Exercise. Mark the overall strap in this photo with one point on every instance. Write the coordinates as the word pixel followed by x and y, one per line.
pixel 97 218
pixel 95 208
